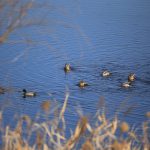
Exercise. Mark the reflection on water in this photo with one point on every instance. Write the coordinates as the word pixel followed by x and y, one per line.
pixel 103 35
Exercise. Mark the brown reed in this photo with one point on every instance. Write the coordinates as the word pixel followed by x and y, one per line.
pixel 50 135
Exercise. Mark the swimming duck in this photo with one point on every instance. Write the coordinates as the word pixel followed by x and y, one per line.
pixel 82 84
pixel 106 73
pixel 67 68
pixel 28 94
pixel 2 90
pixel 131 77
pixel 126 84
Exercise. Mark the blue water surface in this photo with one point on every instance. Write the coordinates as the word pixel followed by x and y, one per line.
pixel 91 36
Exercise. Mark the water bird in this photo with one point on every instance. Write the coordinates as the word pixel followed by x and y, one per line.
pixel 126 84
pixel 28 94
pixel 67 68
pixel 2 90
pixel 131 77
pixel 106 73
pixel 82 84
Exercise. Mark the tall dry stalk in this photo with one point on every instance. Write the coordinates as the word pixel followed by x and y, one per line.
pixel 101 135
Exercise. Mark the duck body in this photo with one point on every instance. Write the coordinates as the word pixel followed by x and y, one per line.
pixel 106 73
pixel 131 77
pixel 126 84
pixel 2 90
pixel 82 84
pixel 28 94
pixel 67 68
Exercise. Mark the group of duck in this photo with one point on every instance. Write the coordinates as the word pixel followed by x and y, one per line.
pixel 105 73
pixel 81 84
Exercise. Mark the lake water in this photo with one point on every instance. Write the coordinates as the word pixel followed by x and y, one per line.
pixel 91 36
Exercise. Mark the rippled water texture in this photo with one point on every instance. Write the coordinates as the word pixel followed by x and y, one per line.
pixel 91 36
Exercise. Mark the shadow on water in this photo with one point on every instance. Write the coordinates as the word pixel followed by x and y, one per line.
pixel 144 81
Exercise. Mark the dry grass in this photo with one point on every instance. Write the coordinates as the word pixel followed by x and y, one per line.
pixel 105 134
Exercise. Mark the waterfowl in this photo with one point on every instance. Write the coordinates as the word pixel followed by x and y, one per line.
pixel 82 84
pixel 28 94
pixel 106 73
pixel 126 84
pixel 2 90
pixel 131 77
pixel 67 68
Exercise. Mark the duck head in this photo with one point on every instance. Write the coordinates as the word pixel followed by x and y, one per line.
pixel 82 84
pixel 67 68
pixel 131 77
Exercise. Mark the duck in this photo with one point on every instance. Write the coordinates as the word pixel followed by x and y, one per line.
pixel 28 94
pixel 82 84
pixel 131 77
pixel 2 90
pixel 106 73
pixel 67 68
pixel 126 84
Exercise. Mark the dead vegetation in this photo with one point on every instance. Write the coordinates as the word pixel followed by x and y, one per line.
pixel 104 134
pixel 18 14
pixel 12 16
